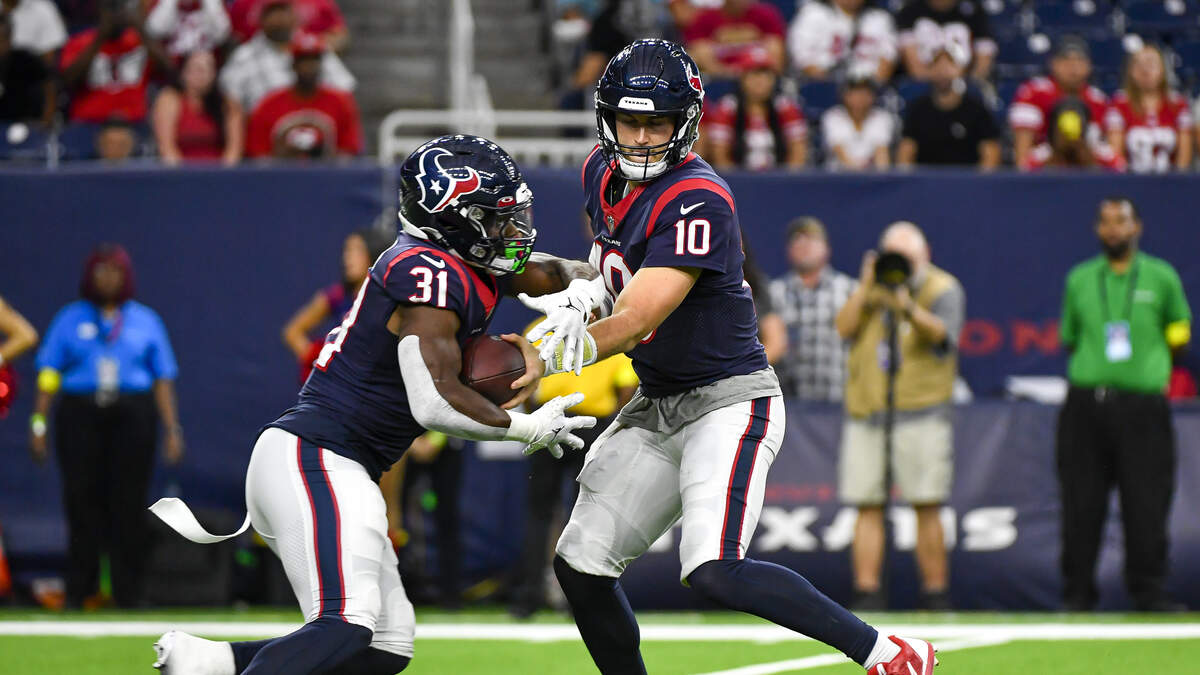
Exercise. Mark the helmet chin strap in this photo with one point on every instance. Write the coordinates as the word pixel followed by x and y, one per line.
pixel 636 171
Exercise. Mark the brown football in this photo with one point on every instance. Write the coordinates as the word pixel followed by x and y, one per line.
pixel 490 365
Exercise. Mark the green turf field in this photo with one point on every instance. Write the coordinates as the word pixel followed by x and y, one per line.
pixel 110 643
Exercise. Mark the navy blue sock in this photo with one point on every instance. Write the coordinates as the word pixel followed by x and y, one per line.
pixel 244 652
pixel 783 597
pixel 370 661
pixel 313 648
pixel 604 618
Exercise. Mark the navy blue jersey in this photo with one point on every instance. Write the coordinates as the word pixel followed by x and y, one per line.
pixel 684 218
pixel 354 402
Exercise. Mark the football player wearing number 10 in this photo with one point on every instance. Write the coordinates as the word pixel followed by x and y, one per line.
pixel 696 442
pixel 386 375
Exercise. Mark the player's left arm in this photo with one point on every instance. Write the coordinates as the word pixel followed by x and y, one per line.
pixel 694 231
pixel 649 298
pixel 566 292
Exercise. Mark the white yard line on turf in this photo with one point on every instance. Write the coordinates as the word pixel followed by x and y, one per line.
pixel 652 632
pixel 837 659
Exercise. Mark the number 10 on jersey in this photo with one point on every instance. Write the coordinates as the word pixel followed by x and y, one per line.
pixel 692 236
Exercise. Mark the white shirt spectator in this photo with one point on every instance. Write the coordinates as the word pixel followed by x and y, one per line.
pixel 37 27
pixel 821 35
pixel 258 68
pixel 201 29
pixel 859 144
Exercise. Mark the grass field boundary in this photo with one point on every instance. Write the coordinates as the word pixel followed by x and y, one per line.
pixel 837 659
pixel 652 632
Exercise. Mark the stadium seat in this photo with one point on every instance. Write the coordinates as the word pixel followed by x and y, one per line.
pixel 1008 18
pixel 909 90
pixel 1086 17
pixel 1163 17
pixel 1108 54
pixel 817 97
pixel 1186 62
pixel 786 7
pixel 1022 56
pixel 23 142
pixel 78 141
pixel 1006 91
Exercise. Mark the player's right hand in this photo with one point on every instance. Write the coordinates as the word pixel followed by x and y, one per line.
pixel 567 313
pixel 555 428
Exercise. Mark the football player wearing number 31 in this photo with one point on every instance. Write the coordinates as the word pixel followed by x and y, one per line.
pixel 698 438
pixel 385 376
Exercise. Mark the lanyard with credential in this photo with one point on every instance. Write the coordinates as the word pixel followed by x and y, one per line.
pixel 114 331
pixel 1127 315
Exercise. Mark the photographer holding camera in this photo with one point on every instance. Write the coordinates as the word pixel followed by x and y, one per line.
pixel 902 323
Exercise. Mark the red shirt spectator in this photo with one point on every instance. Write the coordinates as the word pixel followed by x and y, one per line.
pixel 718 38
pixel 1152 137
pixel 305 120
pixel 289 124
pixel 756 127
pixel 1036 98
pixel 1147 123
pixel 320 17
pixel 115 83
pixel 1070 69
pixel 186 26
pixel 1068 145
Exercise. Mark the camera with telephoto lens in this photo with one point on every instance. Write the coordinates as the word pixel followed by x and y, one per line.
pixel 892 269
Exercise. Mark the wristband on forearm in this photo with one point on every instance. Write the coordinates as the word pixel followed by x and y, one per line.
pixel 522 427
pixel 49 380
pixel 555 363
pixel 37 424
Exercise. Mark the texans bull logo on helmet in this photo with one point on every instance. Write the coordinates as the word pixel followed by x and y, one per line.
pixel 439 186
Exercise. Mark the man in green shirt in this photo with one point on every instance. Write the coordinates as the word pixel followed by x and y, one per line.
pixel 1124 313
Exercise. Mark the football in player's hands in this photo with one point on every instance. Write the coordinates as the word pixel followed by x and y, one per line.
pixel 490 366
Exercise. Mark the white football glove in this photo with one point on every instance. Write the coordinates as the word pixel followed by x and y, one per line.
pixel 548 427
pixel 566 323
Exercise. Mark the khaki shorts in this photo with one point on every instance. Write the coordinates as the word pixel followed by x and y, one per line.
pixel 922 460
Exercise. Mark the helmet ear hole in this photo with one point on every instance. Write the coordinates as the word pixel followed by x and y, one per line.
pixel 649 77
pixel 453 191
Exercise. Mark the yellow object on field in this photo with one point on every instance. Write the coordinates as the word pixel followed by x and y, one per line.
pixel 49 380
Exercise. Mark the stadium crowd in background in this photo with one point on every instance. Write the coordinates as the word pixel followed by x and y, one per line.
pixel 996 46
pixel 309 119
pixel 93 92
pixel 756 127
pixel 949 126
pixel 857 134
pixel 194 120
pixel 37 27
pixel 27 89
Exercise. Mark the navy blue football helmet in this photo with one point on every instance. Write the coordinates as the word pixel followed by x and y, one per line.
pixel 649 77
pixel 466 194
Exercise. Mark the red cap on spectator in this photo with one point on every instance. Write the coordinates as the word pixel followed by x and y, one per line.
pixel 754 58
pixel 275 3
pixel 307 44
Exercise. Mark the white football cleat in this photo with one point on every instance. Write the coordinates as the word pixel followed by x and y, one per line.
pixel 916 657
pixel 182 654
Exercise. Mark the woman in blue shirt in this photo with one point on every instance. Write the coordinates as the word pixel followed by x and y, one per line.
pixel 110 357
